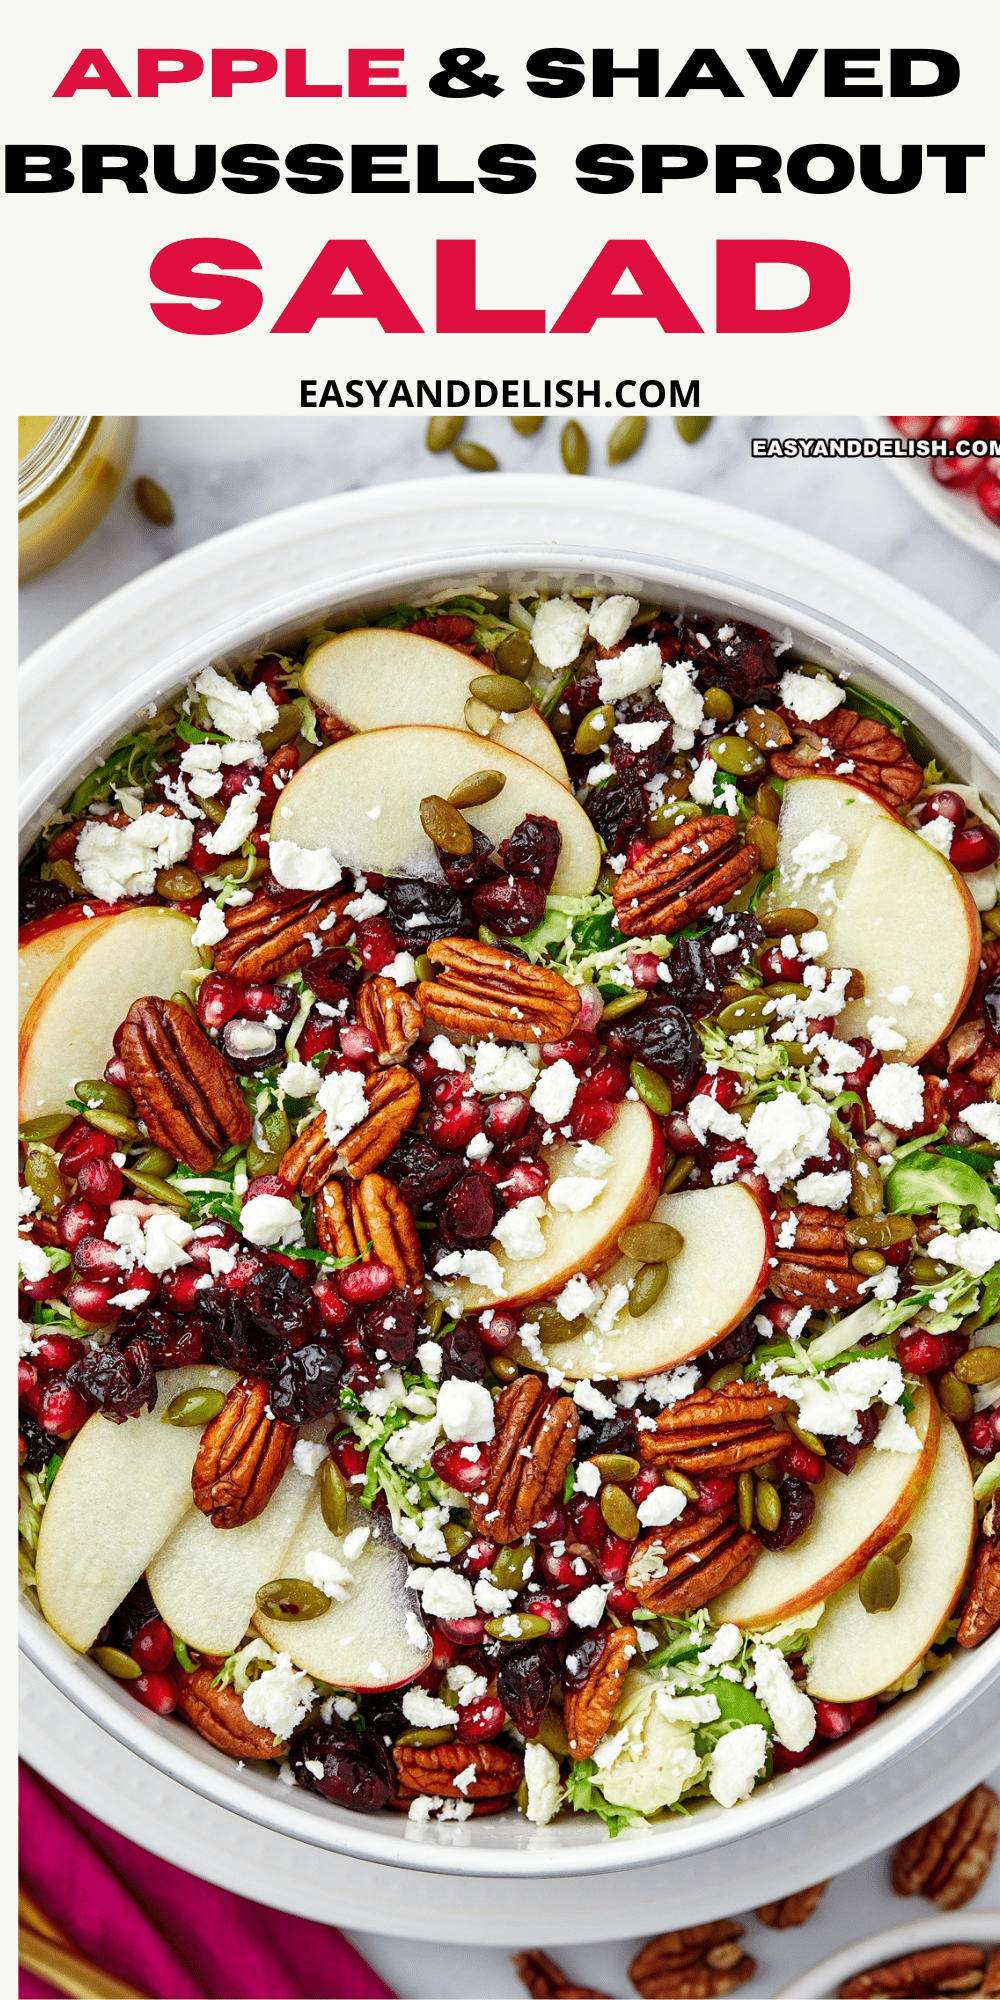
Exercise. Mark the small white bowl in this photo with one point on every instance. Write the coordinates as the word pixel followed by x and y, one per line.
pixel 952 1927
pixel 952 508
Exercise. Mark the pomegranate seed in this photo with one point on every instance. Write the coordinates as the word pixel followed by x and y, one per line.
pixel 362 1284
pixel 270 672
pixel 679 1135
pixel 463 1631
pixel 319 1037
pixel 376 944
pixel 235 780
pixel 445 1651
pixel 863 1712
pixel 606 1083
pixel 217 1236
pixel 40 1289
pixel 833 1719
pixel 155 1691
pixel 780 1312
pixel 558 1569
pixel 62 1411
pixel 259 1001
pixel 724 1087
pixel 554 1610
pixel 551 1526
pixel 505 1118
pixel 465 1474
pixel 980 1437
pixel 621 1600
pixel 90 1298
pixel 974 848
pixel 299 1265
pixel 957 473
pixel 77 1219
pixel 644 967
pixel 715 1491
pixel 178 1290
pixel 219 1000
pixel 944 805
pixel 98 1259
pixel 116 1073
pixel 100 1181
pixel 200 857
pixel 962 1092
pixel 451 1126
pixel 83 1142
pixel 481 1720
pixel 913 427
pixel 591 1121
pixel 645 1483
pixel 27 1380
pixel 576 1049
pixel 790 1760
pixel 613 1558
pixel 333 1311
pixel 349 1456
pixel 153 1647
pixel 502 1329
pixel 988 496
pixel 776 964
pixel 922 1353
pixel 358 1044
pixel 587 1519
pixel 523 1179
pixel 637 848
pixel 804 1463
pixel 869 1066
pixel 479 1557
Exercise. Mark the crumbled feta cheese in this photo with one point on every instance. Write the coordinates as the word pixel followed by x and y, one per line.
pixel 479 1266
pixel 810 698
pixel 520 1229
pixel 590 1159
pixel 883 1035
pixel 27 1201
pixel 271 1219
pixel 491 1600
pixel 412 1446
pixel 210 928
pixel 661 1506
pixel 415 1634
pixel 783 1133
pixel 238 825
pixel 738 1759
pixel 299 1080
pixel 296 867
pixel 402 969
pixel 554 1092
pixel 115 862
pixel 900 996
pixel 465 1410
pixel 424 1711
pixel 33 1262
pixel 235 711
pixel 576 1297
pixel 586 1397
pixel 824 1190
pixel 610 620
pixel 587 1479
pixel 479 1147
pixel 640 735
pixel 541 1770
pixel 702 789
pixel 984 1119
pixel 444 1594
pixel 975 1251
pixel 789 1708
pixel 568 1194
pixel 630 672
pixel 828 1405
pixel 308 1456
pixel 355 1541
pixel 817 852
pixel 938 833
pixel 588 1608
pixel 705 1114
pixel 724 1647
pixel 447 1056
pixel 364 906
pixel 896 1094
pixel 498 1067
pixel 164 1237
pixel 683 704
pixel 341 1097
pixel 279 1699
pixel 333 1578
pixel 558 632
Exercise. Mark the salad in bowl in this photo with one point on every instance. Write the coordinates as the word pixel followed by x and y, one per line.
pixel 510 1259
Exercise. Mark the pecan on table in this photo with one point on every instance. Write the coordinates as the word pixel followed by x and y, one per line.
pixel 694 869
pixel 533 1445
pixel 217 1714
pixel 184 1091
pixel 791 1911
pixel 267 938
pixel 693 1964
pixel 990 1987
pixel 587 1710
pixel 949 1859
pixel 815 1269
pixel 393 1102
pixel 943 1968
pixel 881 760
pixel 371 1220
pixel 241 1458
pixel 717 1430
pixel 484 990
pixel 982 1609
pixel 545 1980
pixel 683 1566
pixel 434 1768
pixel 392 1018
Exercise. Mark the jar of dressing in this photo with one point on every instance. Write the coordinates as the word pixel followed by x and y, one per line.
pixel 68 472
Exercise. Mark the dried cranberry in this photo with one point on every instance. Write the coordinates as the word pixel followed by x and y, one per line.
pixel 580 1663
pixel 439 908
pixel 36 898
pixel 234 1338
pixel 641 765
pixel 304 1382
pixel 532 850
pixel 798 1504
pixel 469 1210
pixel 282 1306
pixel 39 1445
pixel 661 1037
pixel 420 1172
pixel 511 908
pixel 524 1684
pixel 118 1381
pixel 619 812
pixel 991 1011
pixel 132 1614
pixel 736 1346
pixel 388 1330
pixel 606 1434
pixel 448 627
pixel 841 1453
pixel 463 1355
pixel 180 1343
pixel 743 663
pixel 463 871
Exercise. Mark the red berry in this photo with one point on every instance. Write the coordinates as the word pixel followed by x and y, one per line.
pixel 153 1647
pixel 362 1284
pixel 116 1073
pixel 27 1381
pixel 714 1491
pixel 551 1526
pixel 98 1259
pixel 607 1083
pixel 349 1456
pixel 235 779
pixel 90 1298
pixel 524 1178
pixel 679 1136
pixel 577 1049
pixel 464 1631
pixel 260 1001
pixel 863 1712
pixel 554 1610
pixel 988 496
pixel 479 1557
pixel 100 1181
pixel 465 1474
pixel 277 771
pixel 375 943
pixel 637 848
pixel 62 1411
pixel 587 1519
pixel 501 1330
pixel 219 1000
pixel 357 1044
pixel 479 1721
pixel 270 672
pixel 445 1652
pixel 790 1760
pixel 614 1557
pixel 83 1142
pixel 591 1121
pixel 833 1719
pixel 724 1087
pixel 973 848
pixel 301 1266
pixel 453 1119
pixel 923 1353
pixel 155 1691
pixel 944 805
pixel 76 1219
pixel 39 1289
pixel 178 1289
pixel 319 1037
pixel 776 964
pixel 334 1313
pixel 621 1600
pixel 980 1437
pixel 804 1463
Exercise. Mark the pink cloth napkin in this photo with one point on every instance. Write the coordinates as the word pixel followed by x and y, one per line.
pixel 165 1931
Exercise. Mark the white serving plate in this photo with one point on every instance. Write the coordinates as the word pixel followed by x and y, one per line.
pixel 953 1927
pixel 269 583
pixel 959 512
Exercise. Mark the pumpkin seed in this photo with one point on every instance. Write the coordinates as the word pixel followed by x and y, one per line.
pixel 898 1550
pixel 615 1467
pixel 119 1665
pixel 879 1585
pixel 979 1366
pixel 501 692
pixel 553 1329
pixel 691 428
pixel 152 501
pixel 423 967
pixel 574 448
pixel 527 1626
pixel 624 1003
pixel 514 656
pixel 767 805
pixel 513 1567
pixel 100 1096
pixel 808 1438
pixel 156 1188
pixel 868 1262
pixel 619 1513
pixel 955 1397
pixel 214 810
pixel 718 705
pixel 736 756
pixel 867 1188
pixel 276 1130
pixel 474 457
pixel 744 1501
pixel 527 426
pixel 626 438
pixel 112 1122
pixel 64 872
pixel 333 1497
pixel 478 789
pixel 682 1482
pixel 652 1088
pixel 763 835
pixel 596 729
pixel 45 1180
pixel 456 1538
pixel 504 1368
pixel 780 988
pixel 291 1597
pixel 731 1371
pixel 177 885
pixel 750 1012
pixel 649 1282
pixel 444 825
pixel 677 1176
pixel 194 1406
pixel 478 717
pixel 651 1242
pixel 552 1732
pixel 260 1161
pixel 767 1502
pixel 39 1131
pixel 287 726
pixel 442 432
pixel 765 729
pixel 425 1739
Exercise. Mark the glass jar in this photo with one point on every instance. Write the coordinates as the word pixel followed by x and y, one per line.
pixel 68 472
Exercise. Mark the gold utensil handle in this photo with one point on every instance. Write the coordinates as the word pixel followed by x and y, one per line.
pixel 68 1971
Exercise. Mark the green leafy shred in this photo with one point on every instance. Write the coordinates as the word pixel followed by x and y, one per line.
pixel 583 1795
pixel 928 1180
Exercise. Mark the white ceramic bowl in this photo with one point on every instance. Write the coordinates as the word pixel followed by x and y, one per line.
pixel 822 1982
pixel 949 506
pixel 78 679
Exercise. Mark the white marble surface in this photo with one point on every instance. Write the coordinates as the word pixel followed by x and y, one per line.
pixel 220 471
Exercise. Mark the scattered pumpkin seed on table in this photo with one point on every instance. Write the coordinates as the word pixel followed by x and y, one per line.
pixel 152 501
pixel 442 432
pixel 474 457
pixel 574 448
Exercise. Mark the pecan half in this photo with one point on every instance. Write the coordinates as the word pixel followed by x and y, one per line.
pixel 434 1768
pixel 944 1968
pixel 682 1567
pixel 184 1091
pixel 693 1964
pixel 391 1017
pixel 717 1430
pixel 545 1980
pixel 393 1102
pixel 697 866
pixel 217 1714
pixel 587 1710
pixel 791 1911
pixel 371 1220
pixel 484 990
pixel 533 1444
pixel 880 759
pixel 949 1859
pixel 982 1610
pixel 241 1458
pixel 267 938
pixel 63 845
pixel 815 1269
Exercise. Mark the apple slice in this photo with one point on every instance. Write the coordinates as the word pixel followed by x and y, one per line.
pixel 376 679
pixel 588 1241
pixel 906 920
pixel 119 1493
pixel 361 798
pixel 855 1517
pixel 43 944
pixel 706 1294
pixel 854 1653
pixel 821 805
pixel 362 1642
pixel 205 1580
pixel 68 1029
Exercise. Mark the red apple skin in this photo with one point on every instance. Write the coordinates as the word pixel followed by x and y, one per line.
pixel 42 946
pixel 71 913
